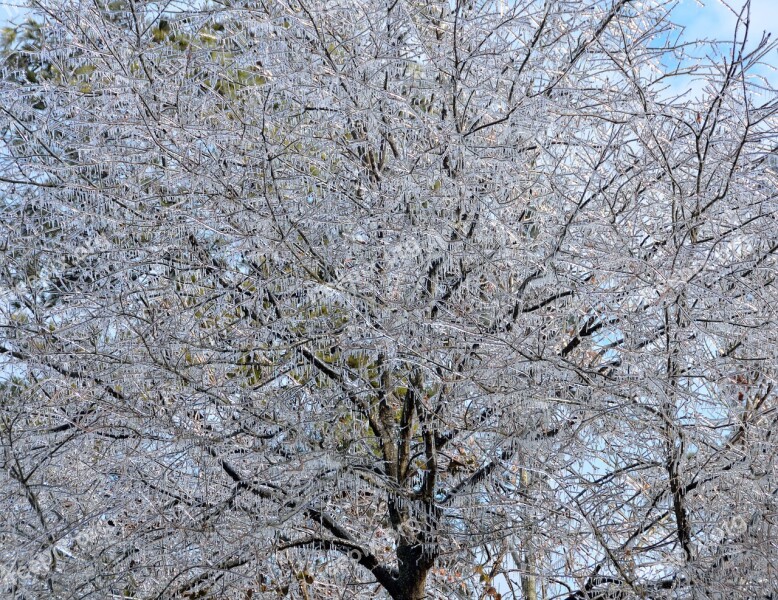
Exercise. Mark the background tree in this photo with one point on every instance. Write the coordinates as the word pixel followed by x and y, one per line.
pixel 407 299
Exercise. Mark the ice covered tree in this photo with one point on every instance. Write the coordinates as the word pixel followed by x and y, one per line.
pixel 386 298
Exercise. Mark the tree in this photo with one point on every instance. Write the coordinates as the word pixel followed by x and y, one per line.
pixel 399 299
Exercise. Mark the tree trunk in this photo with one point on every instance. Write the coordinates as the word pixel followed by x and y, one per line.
pixel 528 584
pixel 414 564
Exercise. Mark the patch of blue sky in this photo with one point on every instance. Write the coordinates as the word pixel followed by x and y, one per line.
pixel 11 11
pixel 719 22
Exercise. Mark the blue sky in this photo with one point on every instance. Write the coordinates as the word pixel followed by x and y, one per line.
pixel 717 19
pixel 8 9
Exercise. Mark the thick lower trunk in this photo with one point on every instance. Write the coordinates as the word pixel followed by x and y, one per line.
pixel 412 588
pixel 528 567
pixel 414 564
pixel 528 584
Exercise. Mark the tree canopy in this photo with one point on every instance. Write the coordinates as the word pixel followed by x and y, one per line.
pixel 386 299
